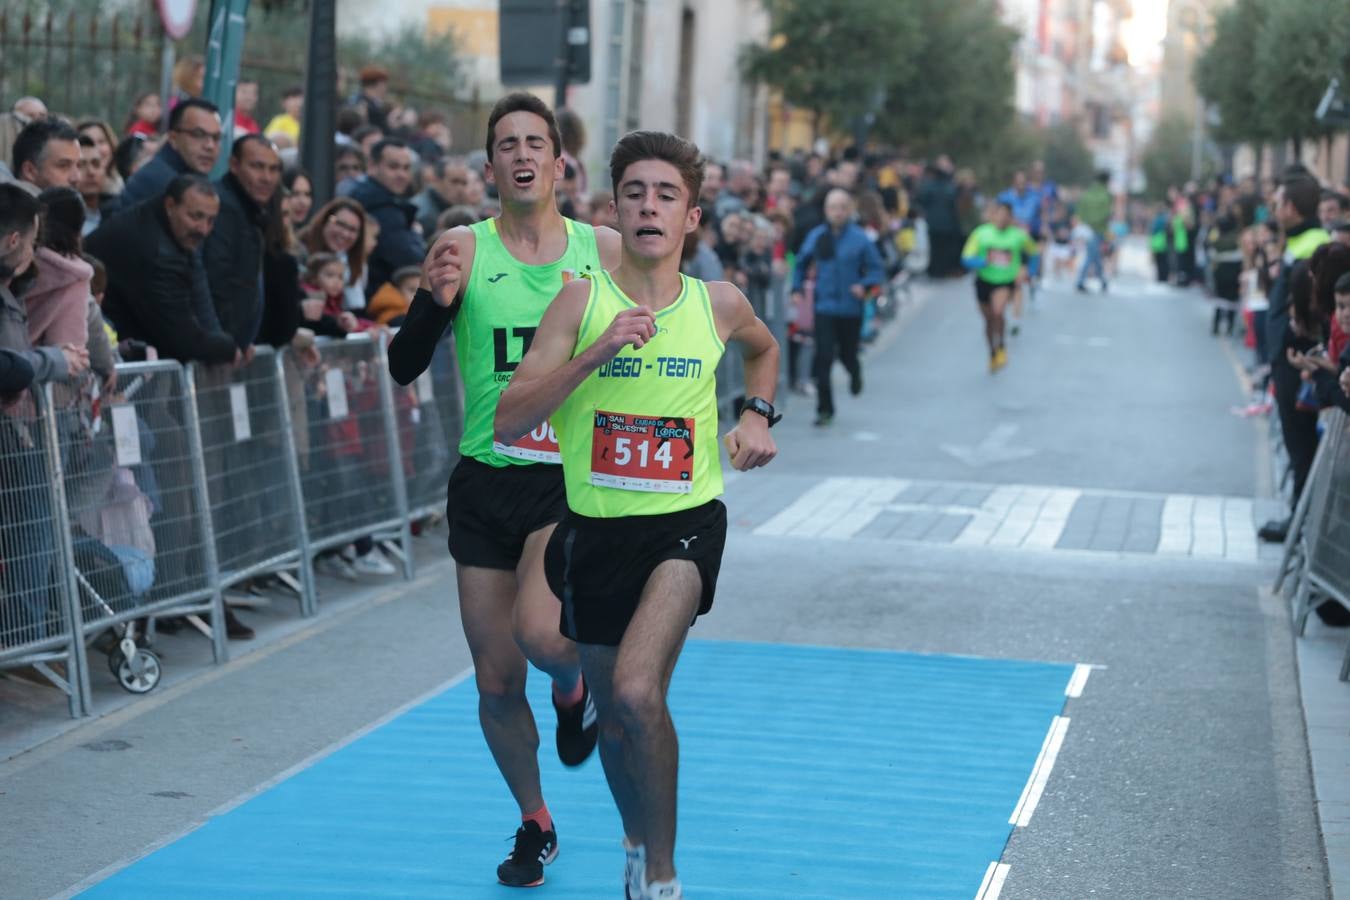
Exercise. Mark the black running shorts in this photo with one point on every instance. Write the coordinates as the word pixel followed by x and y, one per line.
pixel 491 510
pixel 984 290
pixel 599 567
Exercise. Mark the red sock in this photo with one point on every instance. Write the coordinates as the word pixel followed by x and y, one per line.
pixel 540 817
pixel 572 697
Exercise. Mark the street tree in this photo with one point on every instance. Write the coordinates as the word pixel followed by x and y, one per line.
pixel 1067 157
pixel 1224 74
pixel 957 96
pixel 1302 46
pixel 835 58
pixel 1166 158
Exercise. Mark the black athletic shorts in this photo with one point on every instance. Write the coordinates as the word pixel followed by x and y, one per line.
pixel 599 567
pixel 984 291
pixel 491 510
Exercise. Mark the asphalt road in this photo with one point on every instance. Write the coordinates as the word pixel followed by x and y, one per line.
pixel 1184 772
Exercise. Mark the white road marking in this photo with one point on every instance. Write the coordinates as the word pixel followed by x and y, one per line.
pixel 994 876
pixel 1030 517
pixel 1040 773
pixel 1177 531
pixel 1078 680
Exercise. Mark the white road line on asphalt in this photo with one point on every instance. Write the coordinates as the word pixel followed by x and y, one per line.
pixel 1239 530
pixel 983 526
pixel 1050 521
pixel 871 501
pixel 800 510
pixel 992 885
pixel 1040 773
pixel 845 494
pixel 1177 530
pixel 1030 517
pixel 1078 680
pixel 1207 525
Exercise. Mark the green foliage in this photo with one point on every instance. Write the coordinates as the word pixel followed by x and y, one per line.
pixel 1268 66
pixel 957 96
pixel 1067 158
pixel 1166 159
pixel 1297 53
pixel 834 58
pixel 1223 73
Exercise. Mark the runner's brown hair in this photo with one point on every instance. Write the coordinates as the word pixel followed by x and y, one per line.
pixel 520 101
pixel 637 146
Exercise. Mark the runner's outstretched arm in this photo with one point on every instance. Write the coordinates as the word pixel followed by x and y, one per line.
pixel 445 271
pixel 549 372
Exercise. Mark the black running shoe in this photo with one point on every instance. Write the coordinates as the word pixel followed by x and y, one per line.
pixel 577 729
pixel 535 848
pixel 855 383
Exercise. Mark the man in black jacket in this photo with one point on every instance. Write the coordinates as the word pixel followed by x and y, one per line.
pixel 233 253
pixel 1296 212
pixel 382 194
pixel 150 254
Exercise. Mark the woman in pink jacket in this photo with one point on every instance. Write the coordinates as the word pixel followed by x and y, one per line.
pixel 58 301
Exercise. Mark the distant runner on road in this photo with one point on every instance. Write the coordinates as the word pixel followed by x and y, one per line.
pixel 995 253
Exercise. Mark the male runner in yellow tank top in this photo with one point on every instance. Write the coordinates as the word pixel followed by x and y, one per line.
pixel 493 280
pixel 624 363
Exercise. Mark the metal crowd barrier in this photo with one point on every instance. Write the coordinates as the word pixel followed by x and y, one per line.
pixel 36 614
pixel 248 444
pixel 138 515
pixel 1316 563
pixel 430 426
pixel 353 473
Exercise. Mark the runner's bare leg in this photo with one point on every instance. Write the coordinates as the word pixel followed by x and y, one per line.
pixel 486 600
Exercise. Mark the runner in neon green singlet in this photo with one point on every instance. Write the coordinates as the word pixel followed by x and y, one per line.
pixel 504 299
pixel 494 280
pixel 995 252
pixel 640 435
pixel 624 364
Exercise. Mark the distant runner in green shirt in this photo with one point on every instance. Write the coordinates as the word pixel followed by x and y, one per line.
pixel 492 282
pixel 995 252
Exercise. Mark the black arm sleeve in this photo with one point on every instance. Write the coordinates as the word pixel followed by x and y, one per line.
pixel 411 350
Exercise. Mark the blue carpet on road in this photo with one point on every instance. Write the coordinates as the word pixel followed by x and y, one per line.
pixel 805 772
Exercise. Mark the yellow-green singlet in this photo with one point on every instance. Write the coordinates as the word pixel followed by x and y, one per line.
pixel 639 435
pixel 503 303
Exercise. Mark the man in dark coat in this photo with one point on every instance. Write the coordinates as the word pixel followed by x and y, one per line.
pixel 937 198
pixel 233 253
pixel 382 194
pixel 154 283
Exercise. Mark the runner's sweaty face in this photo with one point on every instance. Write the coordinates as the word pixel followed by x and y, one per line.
pixel 523 165
pixel 654 209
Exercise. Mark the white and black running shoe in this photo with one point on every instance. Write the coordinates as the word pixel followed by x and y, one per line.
pixel 534 849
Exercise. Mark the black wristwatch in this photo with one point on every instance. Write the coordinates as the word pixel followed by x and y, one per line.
pixel 763 407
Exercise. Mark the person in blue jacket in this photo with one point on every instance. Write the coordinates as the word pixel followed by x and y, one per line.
pixel 846 264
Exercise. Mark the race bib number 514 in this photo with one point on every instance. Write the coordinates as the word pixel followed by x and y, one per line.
pixel 642 453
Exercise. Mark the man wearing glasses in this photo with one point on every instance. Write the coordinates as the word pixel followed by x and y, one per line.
pixel 192 148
